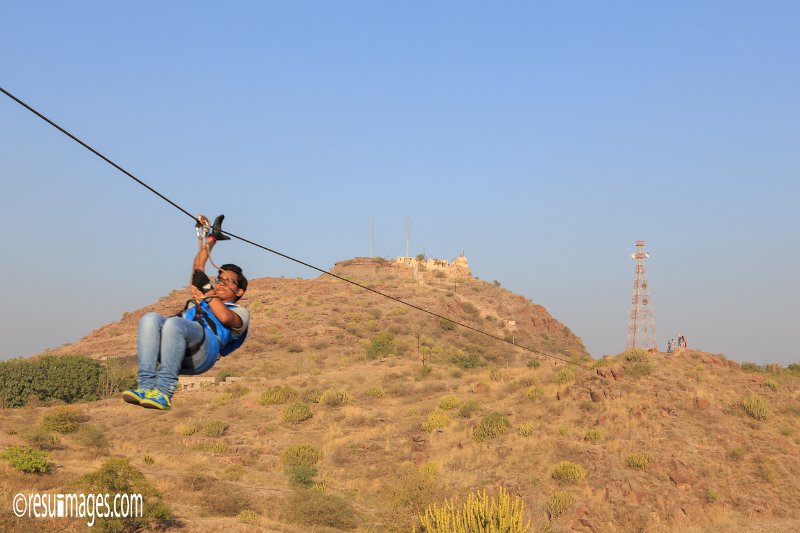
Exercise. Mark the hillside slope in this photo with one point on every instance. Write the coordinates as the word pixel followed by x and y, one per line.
pixel 664 439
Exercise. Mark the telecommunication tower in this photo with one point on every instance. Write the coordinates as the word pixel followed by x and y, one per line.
pixel 642 326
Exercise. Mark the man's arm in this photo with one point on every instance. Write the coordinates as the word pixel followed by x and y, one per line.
pixel 224 315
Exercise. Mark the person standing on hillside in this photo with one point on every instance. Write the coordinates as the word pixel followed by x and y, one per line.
pixel 211 325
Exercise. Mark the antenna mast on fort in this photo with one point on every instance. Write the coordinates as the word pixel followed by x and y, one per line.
pixel 372 235
pixel 641 327
pixel 408 231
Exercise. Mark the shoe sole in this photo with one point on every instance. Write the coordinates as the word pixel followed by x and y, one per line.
pixel 131 398
pixel 149 404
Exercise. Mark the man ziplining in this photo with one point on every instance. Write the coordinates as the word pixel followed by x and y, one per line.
pixel 211 325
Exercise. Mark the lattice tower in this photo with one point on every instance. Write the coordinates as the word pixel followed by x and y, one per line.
pixel 642 326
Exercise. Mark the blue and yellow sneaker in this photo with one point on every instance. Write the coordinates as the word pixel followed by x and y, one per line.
pixel 154 399
pixel 134 396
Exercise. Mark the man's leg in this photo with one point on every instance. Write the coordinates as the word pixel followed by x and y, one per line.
pixel 177 335
pixel 148 342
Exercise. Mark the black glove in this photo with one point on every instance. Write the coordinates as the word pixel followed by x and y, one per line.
pixel 201 281
pixel 216 227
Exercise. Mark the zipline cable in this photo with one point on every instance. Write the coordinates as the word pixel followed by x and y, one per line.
pixel 290 258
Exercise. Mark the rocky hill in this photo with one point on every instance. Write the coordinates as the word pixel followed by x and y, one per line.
pixel 636 442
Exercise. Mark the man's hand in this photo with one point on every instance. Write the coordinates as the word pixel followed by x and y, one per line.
pixel 198 295
pixel 201 281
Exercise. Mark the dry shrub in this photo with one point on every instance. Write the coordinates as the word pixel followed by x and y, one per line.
pixel 296 413
pixel 525 429
pixel 638 461
pixel 408 497
pixel 565 375
pixel 277 394
pixel 187 430
pixel 300 454
pixel 61 420
pixel 536 391
pixel 213 428
pixel 223 399
pixel 559 503
pixel 436 420
pixel 247 517
pixel 635 355
pixel 314 508
pixel 449 402
pixel 592 435
pixel 92 437
pixel 375 392
pixel 491 426
pixel 224 499
pixel 756 407
pixel 468 409
pixel 569 472
pixel 117 475
pixel 41 439
pixel 335 397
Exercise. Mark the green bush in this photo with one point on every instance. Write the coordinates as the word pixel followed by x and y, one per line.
pixel 117 475
pixel 66 378
pixel 277 394
pixel 491 426
pixel 382 345
pixel 637 461
pixel 569 472
pixel 793 369
pixel 300 454
pixel 756 407
pixel 495 374
pixel 296 413
pixel 449 402
pixel 302 474
pixel 447 325
pixel 565 375
pixel 467 362
pixel 213 428
pixel 61 420
pixel 436 420
pixel 534 363
pixel 477 514
pixel 468 409
pixel 771 384
pixel 335 397
pixel 559 503
pixel 26 459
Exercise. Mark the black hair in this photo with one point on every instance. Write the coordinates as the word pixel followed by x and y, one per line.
pixel 241 281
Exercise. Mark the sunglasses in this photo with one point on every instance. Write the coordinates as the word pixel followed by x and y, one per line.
pixel 228 282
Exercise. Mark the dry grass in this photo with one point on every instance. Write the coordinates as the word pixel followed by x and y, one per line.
pixel 376 466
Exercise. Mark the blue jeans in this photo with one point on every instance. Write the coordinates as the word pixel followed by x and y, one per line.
pixel 162 343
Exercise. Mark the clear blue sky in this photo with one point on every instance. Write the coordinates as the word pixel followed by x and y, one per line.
pixel 541 138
